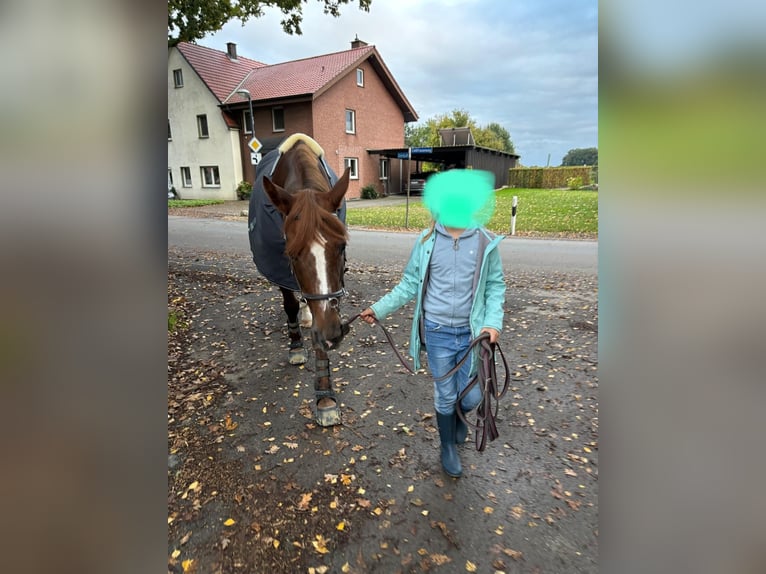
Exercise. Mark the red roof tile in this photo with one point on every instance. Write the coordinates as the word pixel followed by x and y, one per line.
pixel 301 77
pixel 309 76
pixel 221 74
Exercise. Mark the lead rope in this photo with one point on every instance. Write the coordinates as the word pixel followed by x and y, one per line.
pixel 485 378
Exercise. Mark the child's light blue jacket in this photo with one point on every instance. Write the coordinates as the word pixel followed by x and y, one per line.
pixel 488 298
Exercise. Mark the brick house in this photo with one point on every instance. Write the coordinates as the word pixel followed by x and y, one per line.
pixel 347 101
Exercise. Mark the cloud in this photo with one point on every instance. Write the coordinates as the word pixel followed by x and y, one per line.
pixel 531 67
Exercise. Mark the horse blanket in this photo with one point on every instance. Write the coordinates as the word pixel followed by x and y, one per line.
pixel 264 223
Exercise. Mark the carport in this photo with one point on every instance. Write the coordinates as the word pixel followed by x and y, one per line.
pixel 468 156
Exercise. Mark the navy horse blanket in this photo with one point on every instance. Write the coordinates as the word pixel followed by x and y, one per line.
pixel 264 221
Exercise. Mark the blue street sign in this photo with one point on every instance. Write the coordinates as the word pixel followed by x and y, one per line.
pixel 422 149
pixel 401 155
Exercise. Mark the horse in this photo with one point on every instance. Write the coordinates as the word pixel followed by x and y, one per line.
pixel 297 232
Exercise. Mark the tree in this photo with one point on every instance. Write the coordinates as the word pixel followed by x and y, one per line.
pixel 492 136
pixel 190 20
pixel 581 156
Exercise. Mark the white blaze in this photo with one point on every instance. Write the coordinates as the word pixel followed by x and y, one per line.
pixel 317 250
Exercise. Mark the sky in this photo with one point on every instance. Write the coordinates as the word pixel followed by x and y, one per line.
pixel 531 67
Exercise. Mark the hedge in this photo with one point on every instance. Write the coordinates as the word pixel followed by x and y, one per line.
pixel 547 177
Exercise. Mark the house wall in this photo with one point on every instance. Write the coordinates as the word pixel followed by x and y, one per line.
pixel 187 149
pixel 298 118
pixel 379 124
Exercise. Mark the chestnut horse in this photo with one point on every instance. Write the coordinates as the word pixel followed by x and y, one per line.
pixel 298 239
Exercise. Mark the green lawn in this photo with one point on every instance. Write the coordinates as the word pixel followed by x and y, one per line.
pixel 193 202
pixel 539 212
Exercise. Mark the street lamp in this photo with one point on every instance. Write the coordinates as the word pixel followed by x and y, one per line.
pixel 245 92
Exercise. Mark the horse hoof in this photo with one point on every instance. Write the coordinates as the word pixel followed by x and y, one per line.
pixel 297 356
pixel 329 416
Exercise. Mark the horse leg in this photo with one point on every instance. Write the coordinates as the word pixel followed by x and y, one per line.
pixel 305 315
pixel 297 353
pixel 328 412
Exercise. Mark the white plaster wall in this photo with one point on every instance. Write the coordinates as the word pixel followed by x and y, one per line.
pixel 186 148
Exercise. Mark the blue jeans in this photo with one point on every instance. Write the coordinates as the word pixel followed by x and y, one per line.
pixel 445 346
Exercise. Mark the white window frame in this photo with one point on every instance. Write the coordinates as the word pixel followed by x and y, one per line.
pixel 186 178
pixel 211 170
pixel 200 119
pixel 246 121
pixel 274 127
pixel 353 163
pixel 383 169
pixel 350 120
pixel 360 77
pixel 170 178
pixel 178 78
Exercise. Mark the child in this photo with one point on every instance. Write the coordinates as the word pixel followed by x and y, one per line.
pixel 456 276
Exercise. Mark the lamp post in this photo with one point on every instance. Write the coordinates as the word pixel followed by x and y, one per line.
pixel 245 92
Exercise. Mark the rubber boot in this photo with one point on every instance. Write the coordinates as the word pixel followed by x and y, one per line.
pixel 450 459
pixel 461 429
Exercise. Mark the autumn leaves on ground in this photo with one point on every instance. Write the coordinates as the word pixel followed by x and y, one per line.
pixel 254 485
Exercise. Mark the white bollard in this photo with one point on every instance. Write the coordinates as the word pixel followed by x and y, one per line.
pixel 513 215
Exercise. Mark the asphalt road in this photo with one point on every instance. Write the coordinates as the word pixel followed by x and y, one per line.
pixel 389 248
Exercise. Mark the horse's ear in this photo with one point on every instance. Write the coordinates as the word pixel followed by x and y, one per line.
pixel 281 199
pixel 338 191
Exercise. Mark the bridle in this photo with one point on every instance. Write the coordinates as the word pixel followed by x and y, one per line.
pixel 332 298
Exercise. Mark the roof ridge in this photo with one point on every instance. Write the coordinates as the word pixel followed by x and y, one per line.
pixel 223 52
pixel 368 47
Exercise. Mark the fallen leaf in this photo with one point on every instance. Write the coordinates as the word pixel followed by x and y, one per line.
pixel 176 553
pixel 228 424
pixel 488 510
pixel 188 565
pixel 470 566
pixel 229 522
pixel 515 554
pixel 320 544
pixel 341 526
pixel 440 559
pixel 304 502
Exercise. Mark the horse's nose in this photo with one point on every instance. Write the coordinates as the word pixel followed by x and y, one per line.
pixel 333 334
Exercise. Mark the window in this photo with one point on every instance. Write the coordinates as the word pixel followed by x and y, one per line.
pixel 359 77
pixel 384 169
pixel 178 78
pixel 186 177
pixel 246 121
pixel 278 119
pixel 210 177
pixel 202 126
pixel 350 122
pixel 170 134
pixel 170 178
pixel 353 163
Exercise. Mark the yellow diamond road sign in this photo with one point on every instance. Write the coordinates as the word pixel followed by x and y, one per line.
pixel 254 144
